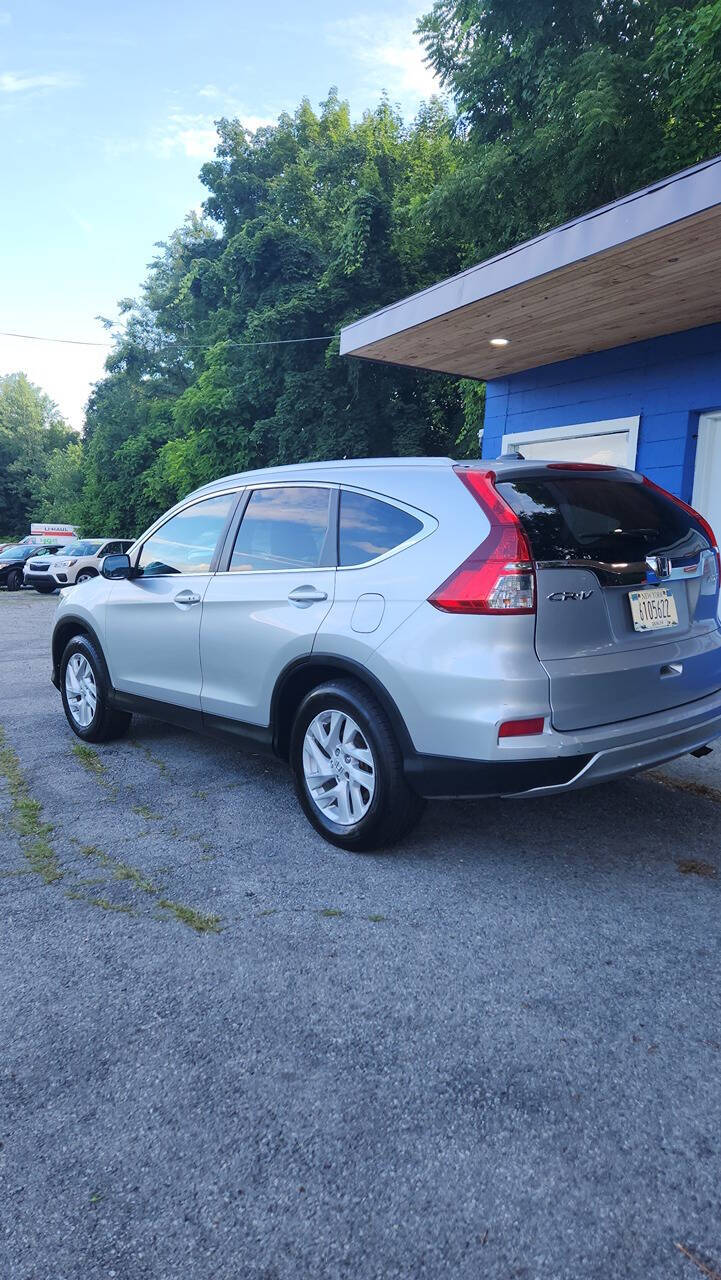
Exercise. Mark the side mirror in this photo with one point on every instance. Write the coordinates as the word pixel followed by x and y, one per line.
pixel 116 567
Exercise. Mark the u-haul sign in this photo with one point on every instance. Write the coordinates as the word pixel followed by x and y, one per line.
pixel 53 532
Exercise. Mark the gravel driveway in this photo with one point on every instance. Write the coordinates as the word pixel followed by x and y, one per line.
pixel 229 1050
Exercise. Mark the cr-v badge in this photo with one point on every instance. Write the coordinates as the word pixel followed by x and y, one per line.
pixel 570 595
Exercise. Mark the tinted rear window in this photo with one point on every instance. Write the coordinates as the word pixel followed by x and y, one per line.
pixel 370 527
pixel 614 521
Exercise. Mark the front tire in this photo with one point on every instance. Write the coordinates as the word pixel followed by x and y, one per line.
pixel 85 576
pixel 45 588
pixel 85 690
pixel 15 580
pixel 348 769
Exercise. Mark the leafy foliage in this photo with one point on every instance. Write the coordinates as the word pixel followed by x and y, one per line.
pixel 568 104
pixel 561 105
pixel 33 436
pixel 308 224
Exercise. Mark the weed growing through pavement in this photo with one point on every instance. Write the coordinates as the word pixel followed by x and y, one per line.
pixel 196 920
pixel 143 811
pixel 35 839
pixel 26 818
pixel 89 759
pixel 159 763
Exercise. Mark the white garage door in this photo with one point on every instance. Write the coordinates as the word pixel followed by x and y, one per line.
pixel 707 476
pixel 613 442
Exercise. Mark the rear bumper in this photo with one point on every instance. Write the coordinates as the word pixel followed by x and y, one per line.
pixel 570 761
pixel 444 777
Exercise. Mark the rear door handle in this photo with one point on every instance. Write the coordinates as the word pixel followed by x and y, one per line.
pixel 185 598
pixel 306 595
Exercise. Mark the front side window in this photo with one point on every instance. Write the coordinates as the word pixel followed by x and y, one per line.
pixel 186 542
pixel 282 528
pixel 370 528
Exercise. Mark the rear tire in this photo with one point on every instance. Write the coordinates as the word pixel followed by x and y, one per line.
pixel 85 692
pixel 348 769
pixel 15 580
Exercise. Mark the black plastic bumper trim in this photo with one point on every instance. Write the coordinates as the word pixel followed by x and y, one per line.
pixel 436 777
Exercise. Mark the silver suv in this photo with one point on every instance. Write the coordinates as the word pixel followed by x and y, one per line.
pixel 77 562
pixel 411 629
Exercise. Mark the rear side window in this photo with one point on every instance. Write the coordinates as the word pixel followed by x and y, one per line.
pixel 186 542
pixel 614 521
pixel 285 527
pixel 370 527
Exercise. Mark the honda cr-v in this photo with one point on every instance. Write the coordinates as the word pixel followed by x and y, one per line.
pixel 411 629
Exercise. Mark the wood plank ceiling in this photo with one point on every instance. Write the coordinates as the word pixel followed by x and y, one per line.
pixel 662 282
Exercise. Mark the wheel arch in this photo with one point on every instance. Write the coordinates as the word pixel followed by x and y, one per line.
pixel 304 674
pixel 64 631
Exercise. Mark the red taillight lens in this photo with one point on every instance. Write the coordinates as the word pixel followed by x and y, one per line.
pixel 498 577
pixel 692 512
pixel 521 728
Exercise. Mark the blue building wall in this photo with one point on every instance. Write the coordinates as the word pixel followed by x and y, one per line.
pixel 668 381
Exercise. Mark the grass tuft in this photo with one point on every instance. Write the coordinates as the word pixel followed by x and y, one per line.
pixel 27 818
pixel 89 759
pixel 159 763
pixel 143 811
pixel 196 920
pixel 331 913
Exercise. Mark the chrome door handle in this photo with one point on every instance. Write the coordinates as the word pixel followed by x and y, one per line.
pixel 306 595
pixel 185 598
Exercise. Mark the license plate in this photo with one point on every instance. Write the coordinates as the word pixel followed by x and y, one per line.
pixel 653 609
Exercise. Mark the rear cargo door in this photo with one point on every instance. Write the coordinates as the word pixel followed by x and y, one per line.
pixel 627 586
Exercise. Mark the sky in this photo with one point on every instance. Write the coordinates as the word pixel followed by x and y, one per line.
pixel 106 115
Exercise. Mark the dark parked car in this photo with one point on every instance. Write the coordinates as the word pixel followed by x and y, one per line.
pixel 12 563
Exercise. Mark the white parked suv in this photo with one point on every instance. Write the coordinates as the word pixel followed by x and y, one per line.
pixel 74 563
pixel 409 629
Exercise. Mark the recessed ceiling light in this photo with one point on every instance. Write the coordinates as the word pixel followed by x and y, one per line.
pixel 499 342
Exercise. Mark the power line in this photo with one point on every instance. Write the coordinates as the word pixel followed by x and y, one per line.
pixel 79 342
pixel 36 337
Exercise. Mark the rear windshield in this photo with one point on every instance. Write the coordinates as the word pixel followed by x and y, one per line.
pixel 581 517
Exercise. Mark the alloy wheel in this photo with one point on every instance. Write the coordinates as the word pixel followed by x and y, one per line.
pixel 338 766
pixel 80 689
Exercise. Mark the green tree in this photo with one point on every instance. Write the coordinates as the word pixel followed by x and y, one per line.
pixel 58 493
pixel 567 104
pixel 685 65
pixel 31 431
pixel 308 224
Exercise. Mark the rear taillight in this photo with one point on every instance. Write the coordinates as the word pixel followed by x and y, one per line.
pixel 498 577
pixel 692 512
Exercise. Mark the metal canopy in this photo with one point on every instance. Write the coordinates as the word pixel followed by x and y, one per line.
pixel 646 265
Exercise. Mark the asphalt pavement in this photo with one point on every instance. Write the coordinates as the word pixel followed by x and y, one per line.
pixel 229 1050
